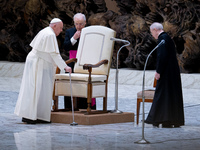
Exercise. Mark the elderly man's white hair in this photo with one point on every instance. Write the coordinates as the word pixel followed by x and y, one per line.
pixel 156 25
pixel 79 15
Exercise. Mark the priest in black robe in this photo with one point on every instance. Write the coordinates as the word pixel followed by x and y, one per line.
pixel 167 106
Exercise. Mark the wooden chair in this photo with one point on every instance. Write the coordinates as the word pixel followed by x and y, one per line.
pixel 91 70
pixel 148 97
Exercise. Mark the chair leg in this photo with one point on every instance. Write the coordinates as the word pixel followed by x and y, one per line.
pixel 55 100
pixel 55 103
pixel 75 103
pixel 89 92
pixel 105 104
pixel 89 105
pixel 138 110
pixel 106 95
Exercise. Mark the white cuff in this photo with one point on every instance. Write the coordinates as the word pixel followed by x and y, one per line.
pixel 73 41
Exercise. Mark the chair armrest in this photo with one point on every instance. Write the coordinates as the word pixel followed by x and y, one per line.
pixel 88 66
pixel 71 60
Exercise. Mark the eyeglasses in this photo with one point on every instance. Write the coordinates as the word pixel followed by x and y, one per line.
pixel 78 24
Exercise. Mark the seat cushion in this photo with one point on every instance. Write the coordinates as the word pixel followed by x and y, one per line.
pixel 79 88
pixel 80 77
pixel 147 94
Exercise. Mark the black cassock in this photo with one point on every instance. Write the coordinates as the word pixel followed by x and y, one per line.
pixel 167 106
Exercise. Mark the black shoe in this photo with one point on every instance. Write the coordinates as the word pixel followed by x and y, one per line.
pixel 29 121
pixel 42 121
pixel 155 125
pixel 24 120
pixel 176 126
pixel 167 125
pixel 93 107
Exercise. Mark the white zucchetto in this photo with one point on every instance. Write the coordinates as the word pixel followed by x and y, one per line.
pixel 55 20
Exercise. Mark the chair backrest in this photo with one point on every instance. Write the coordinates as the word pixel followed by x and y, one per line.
pixel 94 46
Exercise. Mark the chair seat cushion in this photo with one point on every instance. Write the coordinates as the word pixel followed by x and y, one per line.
pixel 80 77
pixel 79 88
pixel 147 94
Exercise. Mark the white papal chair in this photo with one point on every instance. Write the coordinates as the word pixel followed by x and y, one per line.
pixel 91 70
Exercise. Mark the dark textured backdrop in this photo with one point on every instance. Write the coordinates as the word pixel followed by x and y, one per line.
pixel 20 21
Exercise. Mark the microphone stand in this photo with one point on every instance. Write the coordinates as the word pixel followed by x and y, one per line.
pixel 143 140
pixel 116 76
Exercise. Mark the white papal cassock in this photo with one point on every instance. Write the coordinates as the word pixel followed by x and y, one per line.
pixel 35 96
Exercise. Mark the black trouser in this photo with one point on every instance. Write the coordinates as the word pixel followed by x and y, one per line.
pixel 81 102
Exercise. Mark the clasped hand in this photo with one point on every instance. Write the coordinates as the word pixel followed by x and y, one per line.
pixel 77 35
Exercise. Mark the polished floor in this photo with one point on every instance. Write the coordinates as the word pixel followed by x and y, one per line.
pixel 15 135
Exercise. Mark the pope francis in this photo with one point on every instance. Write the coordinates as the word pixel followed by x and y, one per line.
pixel 35 95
